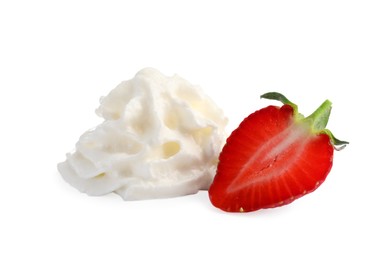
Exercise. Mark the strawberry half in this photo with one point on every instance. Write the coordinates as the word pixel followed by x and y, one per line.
pixel 274 157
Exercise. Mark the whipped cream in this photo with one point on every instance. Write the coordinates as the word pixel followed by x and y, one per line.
pixel 161 137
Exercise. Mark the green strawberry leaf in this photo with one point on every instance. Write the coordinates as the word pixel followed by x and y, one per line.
pixel 279 97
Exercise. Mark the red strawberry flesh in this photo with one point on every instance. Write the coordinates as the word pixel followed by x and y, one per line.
pixel 270 160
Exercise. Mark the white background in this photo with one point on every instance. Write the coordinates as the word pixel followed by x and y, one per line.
pixel 58 58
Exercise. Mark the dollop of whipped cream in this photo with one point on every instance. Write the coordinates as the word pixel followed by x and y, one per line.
pixel 161 137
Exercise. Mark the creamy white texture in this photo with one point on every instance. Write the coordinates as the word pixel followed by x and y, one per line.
pixel 161 138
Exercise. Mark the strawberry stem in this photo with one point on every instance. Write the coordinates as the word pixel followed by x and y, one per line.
pixel 317 120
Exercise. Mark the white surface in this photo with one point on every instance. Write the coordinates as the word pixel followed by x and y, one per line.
pixel 57 59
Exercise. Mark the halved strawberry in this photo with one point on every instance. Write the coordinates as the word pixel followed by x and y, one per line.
pixel 274 157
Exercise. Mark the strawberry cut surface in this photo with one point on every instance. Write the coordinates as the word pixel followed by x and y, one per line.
pixel 270 160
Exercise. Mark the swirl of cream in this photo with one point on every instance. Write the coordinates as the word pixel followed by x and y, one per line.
pixel 161 137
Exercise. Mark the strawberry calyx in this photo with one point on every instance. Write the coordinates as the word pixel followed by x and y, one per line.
pixel 317 121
